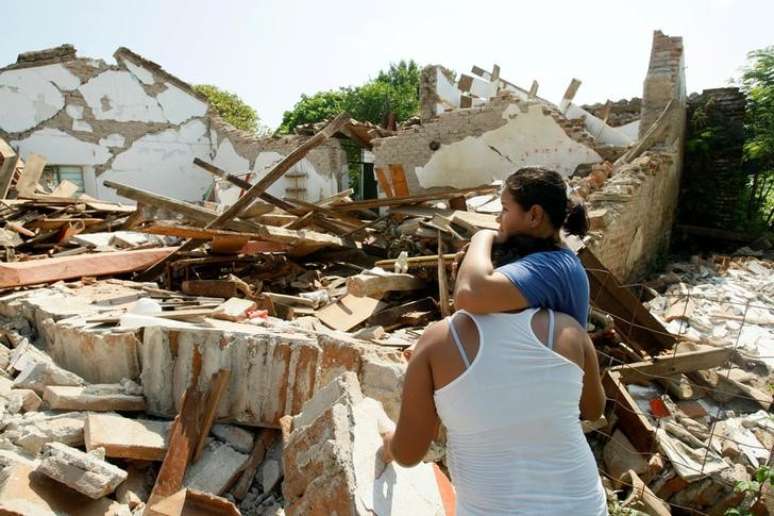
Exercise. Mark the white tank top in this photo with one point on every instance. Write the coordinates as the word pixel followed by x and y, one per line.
pixel 515 443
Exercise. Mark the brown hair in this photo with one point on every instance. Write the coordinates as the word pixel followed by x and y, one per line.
pixel 529 186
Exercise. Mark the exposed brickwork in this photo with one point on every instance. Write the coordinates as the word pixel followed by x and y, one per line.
pixel 621 112
pixel 713 179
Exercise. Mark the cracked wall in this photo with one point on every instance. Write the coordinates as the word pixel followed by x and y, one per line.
pixel 134 123
pixel 473 146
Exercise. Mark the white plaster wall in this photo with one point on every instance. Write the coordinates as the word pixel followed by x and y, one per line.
pixel 596 127
pixel 447 91
pixel 118 95
pixel 178 105
pixel 318 186
pixel 61 148
pixel 163 163
pixel 528 139
pixel 29 96
pixel 143 75
pixel 632 130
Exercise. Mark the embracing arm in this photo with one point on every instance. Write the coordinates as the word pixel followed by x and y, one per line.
pixel 479 289
pixel 592 403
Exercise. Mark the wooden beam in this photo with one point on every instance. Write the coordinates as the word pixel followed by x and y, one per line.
pixel 218 384
pixel 447 193
pixel 381 178
pixel 258 188
pixel 7 167
pixel 640 372
pixel 630 419
pixel 390 318
pixel 49 270
pixel 188 210
pixel 443 283
pixel 632 320
pixel 430 260
pixel 260 447
pixel 399 184
pixel 182 437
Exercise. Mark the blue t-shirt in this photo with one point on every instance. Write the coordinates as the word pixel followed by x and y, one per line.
pixel 552 279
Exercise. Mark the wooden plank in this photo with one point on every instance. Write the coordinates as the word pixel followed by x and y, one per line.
pixel 257 189
pixel 56 223
pixel 639 372
pixel 193 232
pixel 630 419
pixel 632 320
pixel 28 181
pixel 49 270
pixel 446 193
pixel 384 184
pixel 213 288
pixel 399 185
pixel 218 384
pixel 7 167
pixel 475 220
pixel 348 312
pixel 182 438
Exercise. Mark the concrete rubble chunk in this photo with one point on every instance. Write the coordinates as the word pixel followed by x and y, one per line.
pixel 621 456
pixel 135 491
pixel 42 374
pixel 33 432
pixel 234 309
pixel 216 470
pixel 81 471
pixel 97 398
pixel 331 461
pixel 24 491
pixel 23 400
pixel 238 438
pixel 126 438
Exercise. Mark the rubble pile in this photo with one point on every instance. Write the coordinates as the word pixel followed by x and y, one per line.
pixel 171 357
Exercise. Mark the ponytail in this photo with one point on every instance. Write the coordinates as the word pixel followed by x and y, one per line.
pixel 577 221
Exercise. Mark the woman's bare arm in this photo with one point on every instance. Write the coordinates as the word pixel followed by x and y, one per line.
pixel 479 289
pixel 592 403
pixel 418 421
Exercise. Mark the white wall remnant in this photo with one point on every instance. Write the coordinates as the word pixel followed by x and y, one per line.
pixel 61 148
pixel 143 75
pixel 162 162
pixel 29 96
pixel 117 95
pixel 112 140
pixel 179 106
pixel 529 138
pixel 602 132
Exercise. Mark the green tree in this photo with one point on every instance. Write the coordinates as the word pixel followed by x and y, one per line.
pixel 393 90
pixel 758 85
pixel 231 108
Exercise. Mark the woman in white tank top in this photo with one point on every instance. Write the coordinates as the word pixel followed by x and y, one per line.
pixel 510 389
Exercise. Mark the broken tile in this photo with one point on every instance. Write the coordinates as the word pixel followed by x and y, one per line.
pixel 127 438
pixel 83 472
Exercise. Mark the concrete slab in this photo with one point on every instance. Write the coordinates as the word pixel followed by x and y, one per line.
pixel 83 472
pixel 127 438
pixel 216 470
pixel 96 398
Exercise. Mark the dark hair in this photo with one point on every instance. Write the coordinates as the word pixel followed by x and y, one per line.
pixel 529 186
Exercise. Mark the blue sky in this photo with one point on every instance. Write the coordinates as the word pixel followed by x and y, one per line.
pixel 270 53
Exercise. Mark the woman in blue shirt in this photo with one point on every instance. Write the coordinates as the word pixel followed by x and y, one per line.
pixel 536 206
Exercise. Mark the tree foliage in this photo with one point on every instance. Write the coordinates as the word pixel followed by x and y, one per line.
pixel 231 108
pixel 758 85
pixel 393 90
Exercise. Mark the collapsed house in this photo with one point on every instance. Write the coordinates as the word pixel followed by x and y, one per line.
pixel 134 123
pixel 248 360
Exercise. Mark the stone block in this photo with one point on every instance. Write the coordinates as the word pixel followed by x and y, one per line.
pixel 126 438
pixel 216 470
pixel 26 491
pixel 238 438
pixel 42 374
pixel 84 472
pixel 332 464
pixel 33 432
pixel 96 398
pixel 23 400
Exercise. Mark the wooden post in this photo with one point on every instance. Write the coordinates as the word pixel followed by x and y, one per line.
pixel 443 283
